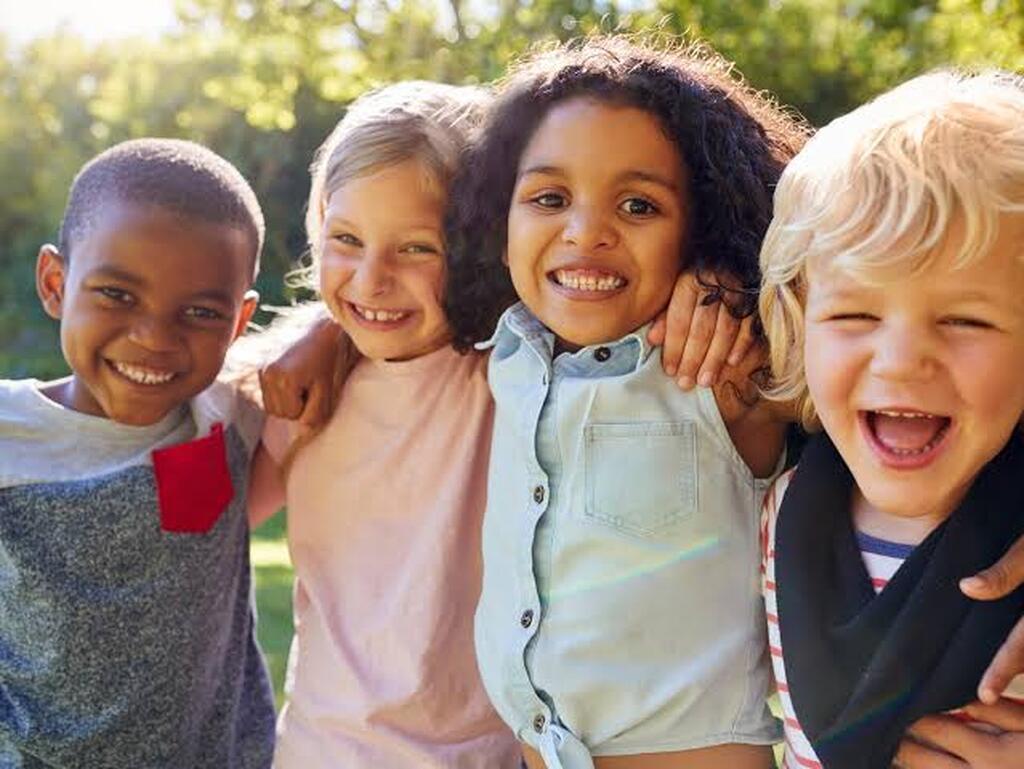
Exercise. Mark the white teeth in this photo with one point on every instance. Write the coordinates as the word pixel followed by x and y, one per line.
pixel 142 375
pixel 905 414
pixel 573 280
pixel 378 315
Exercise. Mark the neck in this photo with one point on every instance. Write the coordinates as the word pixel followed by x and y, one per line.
pixel 903 529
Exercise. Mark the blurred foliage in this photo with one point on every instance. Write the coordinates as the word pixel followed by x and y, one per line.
pixel 263 82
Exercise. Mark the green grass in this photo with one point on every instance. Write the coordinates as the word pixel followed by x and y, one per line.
pixel 273 569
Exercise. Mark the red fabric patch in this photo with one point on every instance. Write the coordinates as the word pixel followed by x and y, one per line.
pixel 193 483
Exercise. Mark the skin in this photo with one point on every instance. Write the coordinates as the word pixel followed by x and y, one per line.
pixel 950 347
pixel 386 259
pixel 159 298
pixel 596 206
pixel 596 227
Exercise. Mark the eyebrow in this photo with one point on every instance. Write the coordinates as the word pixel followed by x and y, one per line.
pixel 634 174
pixel 415 227
pixel 116 273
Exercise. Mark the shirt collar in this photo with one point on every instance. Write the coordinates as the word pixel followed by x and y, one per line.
pixel 624 355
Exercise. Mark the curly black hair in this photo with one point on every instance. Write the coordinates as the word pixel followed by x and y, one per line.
pixel 733 140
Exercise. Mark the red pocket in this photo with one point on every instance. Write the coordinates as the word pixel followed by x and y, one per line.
pixel 193 483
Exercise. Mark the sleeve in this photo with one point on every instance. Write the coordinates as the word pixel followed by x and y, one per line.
pixel 769 515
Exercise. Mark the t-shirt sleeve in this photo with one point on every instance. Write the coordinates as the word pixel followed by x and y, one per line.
pixel 769 515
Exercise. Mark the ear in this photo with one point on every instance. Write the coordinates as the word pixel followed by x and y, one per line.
pixel 51 273
pixel 249 302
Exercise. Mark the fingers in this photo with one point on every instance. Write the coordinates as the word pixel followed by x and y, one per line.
pixel 1000 579
pixel 744 341
pixel 698 340
pixel 722 341
pixel 281 397
pixel 317 408
pixel 913 755
pixel 952 736
pixel 1005 714
pixel 656 333
pixel 678 320
pixel 1008 663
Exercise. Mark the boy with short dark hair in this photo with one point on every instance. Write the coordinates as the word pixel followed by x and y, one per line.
pixel 126 620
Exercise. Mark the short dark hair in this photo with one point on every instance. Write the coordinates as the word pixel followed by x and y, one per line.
pixel 182 177
pixel 733 140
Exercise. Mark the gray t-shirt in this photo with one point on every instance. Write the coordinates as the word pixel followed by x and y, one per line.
pixel 123 644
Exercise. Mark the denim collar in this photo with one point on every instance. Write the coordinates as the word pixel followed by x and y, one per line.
pixel 623 356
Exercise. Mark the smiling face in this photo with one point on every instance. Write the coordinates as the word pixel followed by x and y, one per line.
pixel 597 221
pixel 148 306
pixel 382 262
pixel 917 381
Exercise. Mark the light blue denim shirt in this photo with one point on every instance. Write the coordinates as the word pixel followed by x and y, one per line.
pixel 621 609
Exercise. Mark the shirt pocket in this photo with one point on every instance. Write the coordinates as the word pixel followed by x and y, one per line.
pixel 640 478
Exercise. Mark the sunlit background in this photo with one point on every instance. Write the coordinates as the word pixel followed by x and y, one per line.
pixel 93 19
pixel 264 81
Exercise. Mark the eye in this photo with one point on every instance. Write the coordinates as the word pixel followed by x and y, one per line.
pixel 203 313
pixel 639 207
pixel 852 316
pixel 549 200
pixel 116 295
pixel 419 248
pixel 346 238
pixel 966 322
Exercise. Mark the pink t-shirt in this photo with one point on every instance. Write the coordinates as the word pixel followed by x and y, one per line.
pixel 384 515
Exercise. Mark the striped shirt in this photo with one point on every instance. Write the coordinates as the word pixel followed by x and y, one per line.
pixel 882 559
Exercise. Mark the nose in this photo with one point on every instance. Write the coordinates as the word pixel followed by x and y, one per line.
pixel 156 334
pixel 589 228
pixel 373 277
pixel 903 352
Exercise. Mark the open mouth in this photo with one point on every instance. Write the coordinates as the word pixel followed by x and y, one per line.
pixel 376 317
pixel 142 375
pixel 905 438
pixel 592 282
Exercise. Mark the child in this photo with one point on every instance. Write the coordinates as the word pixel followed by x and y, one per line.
pixel 384 503
pixel 893 277
pixel 406 692
pixel 620 622
pixel 126 625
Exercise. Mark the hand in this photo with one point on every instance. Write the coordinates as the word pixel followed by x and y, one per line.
pixel 302 382
pixel 699 334
pixel 993 583
pixel 945 742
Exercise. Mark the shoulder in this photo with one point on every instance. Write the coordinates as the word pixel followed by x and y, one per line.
pixel 224 402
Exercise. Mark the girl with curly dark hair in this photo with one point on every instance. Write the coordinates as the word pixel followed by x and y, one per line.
pixel 620 622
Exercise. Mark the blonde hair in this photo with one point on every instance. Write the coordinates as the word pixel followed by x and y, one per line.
pixel 416 120
pixel 876 192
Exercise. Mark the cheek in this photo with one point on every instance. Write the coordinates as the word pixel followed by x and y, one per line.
pixel 990 379
pixel 829 366
pixel 426 283
pixel 335 271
